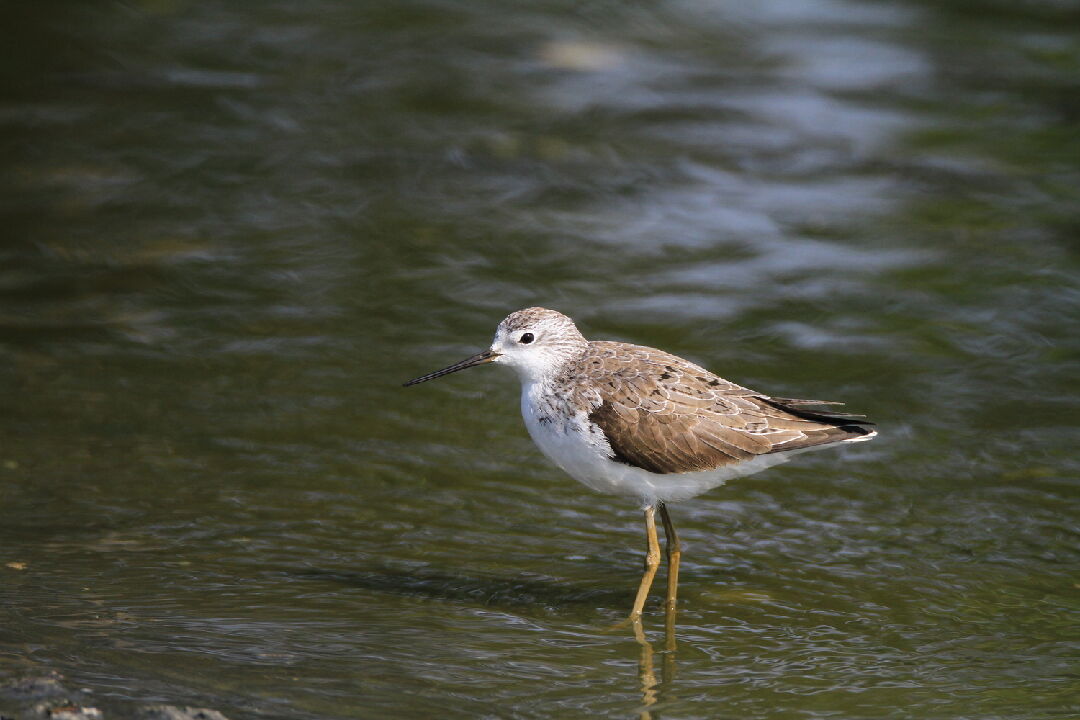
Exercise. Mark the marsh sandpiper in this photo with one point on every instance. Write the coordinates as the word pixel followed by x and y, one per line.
pixel 640 422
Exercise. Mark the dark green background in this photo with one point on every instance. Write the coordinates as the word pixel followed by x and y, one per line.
pixel 232 229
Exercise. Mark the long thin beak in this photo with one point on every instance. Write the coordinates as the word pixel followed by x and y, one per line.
pixel 481 358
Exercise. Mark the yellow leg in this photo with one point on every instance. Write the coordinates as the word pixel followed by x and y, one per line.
pixel 674 553
pixel 652 561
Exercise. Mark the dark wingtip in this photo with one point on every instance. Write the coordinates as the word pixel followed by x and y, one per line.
pixel 849 422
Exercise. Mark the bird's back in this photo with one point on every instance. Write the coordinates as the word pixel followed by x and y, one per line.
pixel 665 414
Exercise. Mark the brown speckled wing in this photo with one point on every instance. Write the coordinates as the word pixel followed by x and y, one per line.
pixel 666 415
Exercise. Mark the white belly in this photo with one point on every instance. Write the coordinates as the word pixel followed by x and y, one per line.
pixel 581 450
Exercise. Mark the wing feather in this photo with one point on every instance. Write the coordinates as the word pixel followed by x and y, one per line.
pixel 667 415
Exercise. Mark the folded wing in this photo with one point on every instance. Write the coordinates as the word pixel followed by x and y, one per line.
pixel 666 415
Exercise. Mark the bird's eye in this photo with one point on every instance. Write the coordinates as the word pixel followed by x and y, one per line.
pixel 526 338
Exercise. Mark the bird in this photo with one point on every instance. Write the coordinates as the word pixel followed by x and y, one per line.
pixel 642 423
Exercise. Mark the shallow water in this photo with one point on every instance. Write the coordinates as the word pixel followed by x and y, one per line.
pixel 233 232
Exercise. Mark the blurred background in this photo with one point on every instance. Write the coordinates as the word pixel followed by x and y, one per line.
pixel 231 230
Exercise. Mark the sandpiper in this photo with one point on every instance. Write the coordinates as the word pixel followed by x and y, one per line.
pixel 643 423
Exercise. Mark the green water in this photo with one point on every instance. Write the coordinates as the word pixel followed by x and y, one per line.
pixel 232 231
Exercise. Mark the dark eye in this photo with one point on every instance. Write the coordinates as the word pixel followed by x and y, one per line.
pixel 526 338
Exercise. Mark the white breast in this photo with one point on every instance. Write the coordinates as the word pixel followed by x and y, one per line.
pixel 580 448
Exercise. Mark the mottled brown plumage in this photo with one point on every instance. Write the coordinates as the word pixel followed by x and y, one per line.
pixel 666 415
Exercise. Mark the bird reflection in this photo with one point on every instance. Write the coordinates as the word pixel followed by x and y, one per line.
pixel 650 687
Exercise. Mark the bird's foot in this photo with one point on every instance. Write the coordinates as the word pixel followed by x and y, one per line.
pixel 634 620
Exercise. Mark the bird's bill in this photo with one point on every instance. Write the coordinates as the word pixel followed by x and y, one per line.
pixel 481 358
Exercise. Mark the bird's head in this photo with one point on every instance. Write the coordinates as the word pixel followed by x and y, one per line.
pixel 536 342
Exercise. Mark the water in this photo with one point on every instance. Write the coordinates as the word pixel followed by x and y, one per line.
pixel 232 232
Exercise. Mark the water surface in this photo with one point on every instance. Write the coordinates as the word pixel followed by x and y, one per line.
pixel 233 231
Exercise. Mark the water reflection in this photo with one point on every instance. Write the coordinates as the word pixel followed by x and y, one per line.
pixel 651 688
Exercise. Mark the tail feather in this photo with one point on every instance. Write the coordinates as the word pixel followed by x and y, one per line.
pixel 848 422
pixel 797 401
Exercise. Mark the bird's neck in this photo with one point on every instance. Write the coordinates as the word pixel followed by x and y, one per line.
pixel 554 365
